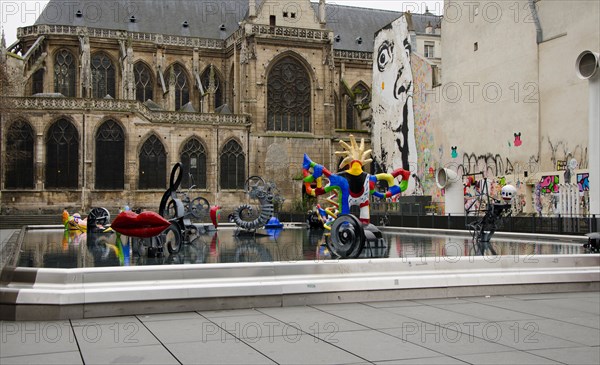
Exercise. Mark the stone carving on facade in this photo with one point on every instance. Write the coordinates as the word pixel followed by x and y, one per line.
pixel 126 60
pixel 121 106
pixel 86 70
pixel 248 50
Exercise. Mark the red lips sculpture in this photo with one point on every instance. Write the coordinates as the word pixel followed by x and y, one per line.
pixel 143 225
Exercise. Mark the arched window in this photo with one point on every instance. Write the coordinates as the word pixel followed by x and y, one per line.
pixel 233 162
pixel 153 164
pixel 193 160
pixel 144 85
pixel 110 156
pixel 64 73
pixel 62 155
pixel 182 89
pixel 103 76
pixel 218 95
pixel 37 82
pixel 289 91
pixel 19 156
pixel 362 96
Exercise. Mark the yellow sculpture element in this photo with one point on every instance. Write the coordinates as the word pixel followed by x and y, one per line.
pixel 353 153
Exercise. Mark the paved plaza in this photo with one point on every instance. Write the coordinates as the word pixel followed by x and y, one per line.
pixel 559 328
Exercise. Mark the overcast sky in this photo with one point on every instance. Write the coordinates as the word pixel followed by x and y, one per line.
pixel 21 13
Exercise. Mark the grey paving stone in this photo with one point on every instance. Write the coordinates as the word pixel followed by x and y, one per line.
pixel 228 313
pixel 255 326
pixel 312 320
pixel 372 318
pixel 393 304
pixel 442 301
pixel 303 349
pixel 150 354
pixel 593 322
pixel 217 352
pixel 58 358
pixel 446 341
pixel 487 312
pixel 32 338
pixel 583 307
pixel 441 360
pixel 122 320
pixel 377 346
pixel 117 334
pixel 433 315
pixel 534 308
pixel 568 331
pixel 508 358
pixel 524 335
pixel 168 316
pixel 187 330
pixel 579 355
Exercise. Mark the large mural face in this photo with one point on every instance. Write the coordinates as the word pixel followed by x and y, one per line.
pixel 392 133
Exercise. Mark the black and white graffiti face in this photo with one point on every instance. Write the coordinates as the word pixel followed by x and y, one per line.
pixel 385 55
pixel 393 138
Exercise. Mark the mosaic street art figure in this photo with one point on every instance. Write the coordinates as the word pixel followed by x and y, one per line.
pixel 351 187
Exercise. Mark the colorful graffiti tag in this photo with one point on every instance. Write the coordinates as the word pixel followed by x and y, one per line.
pixel 549 184
pixel 583 181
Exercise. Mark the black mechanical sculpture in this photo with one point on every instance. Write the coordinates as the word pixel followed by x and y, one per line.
pixel 484 227
pixel 179 212
pixel 267 194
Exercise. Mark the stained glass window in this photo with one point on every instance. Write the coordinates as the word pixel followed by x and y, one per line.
pixel 103 76
pixel 64 73
pixel 37 82
pixel 363 96
pixel 19 156
pixel 62 155
pixel 144 86
pixel 182 89
pixel 193 160
pixel 110 156
pixel 218 95
pixel 289 95
pixel 153 164
pixel 233 162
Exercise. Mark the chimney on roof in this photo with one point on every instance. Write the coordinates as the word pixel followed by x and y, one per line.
pixel 429 28
pixel 322 15
pixel 438 29
pixel 251 8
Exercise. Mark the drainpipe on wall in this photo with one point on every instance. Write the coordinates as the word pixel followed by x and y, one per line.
pixel 586 68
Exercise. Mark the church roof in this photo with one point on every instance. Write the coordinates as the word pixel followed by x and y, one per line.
pixel 215 19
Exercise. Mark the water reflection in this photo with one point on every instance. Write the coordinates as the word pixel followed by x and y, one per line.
pixel 57 249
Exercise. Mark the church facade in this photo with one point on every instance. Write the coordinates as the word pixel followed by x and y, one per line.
pixel 101 99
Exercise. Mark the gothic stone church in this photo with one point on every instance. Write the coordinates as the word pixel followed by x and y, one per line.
pixel 102 98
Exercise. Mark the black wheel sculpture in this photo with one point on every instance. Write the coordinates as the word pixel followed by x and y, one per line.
pixel 254 182
pixel 99 216
pixel 347 237
pixel 199 207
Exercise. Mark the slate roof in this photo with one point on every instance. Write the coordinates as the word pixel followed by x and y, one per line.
pixel 205 18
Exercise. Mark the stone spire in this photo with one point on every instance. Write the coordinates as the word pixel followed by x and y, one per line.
pixel 2 48
pixel 322 14
pixel 251 9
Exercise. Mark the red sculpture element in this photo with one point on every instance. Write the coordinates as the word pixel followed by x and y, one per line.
pixel 143 225
pixel 215 211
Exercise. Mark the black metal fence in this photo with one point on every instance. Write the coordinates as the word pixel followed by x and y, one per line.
pixel 522 224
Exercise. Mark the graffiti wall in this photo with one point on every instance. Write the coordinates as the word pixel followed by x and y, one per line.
pixel 393 128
